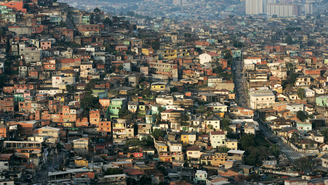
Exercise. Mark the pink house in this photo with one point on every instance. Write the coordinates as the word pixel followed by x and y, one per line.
pixel 45 44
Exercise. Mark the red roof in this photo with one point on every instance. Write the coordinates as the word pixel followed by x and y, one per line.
pixel 217 133
pixel 213 54
pixel 132 171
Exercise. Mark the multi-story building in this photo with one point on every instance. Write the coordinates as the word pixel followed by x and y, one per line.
pixel 260 99
pixel 283 10
pixel 162 70
pixel 218 139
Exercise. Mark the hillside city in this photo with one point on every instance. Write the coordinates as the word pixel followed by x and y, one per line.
pixel 91 97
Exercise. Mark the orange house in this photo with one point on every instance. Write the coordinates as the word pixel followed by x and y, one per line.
pixel 16 6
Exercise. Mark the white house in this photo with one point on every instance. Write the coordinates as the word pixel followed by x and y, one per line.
pixel 208 57
pixel 309 92
pixel 295 107
pixel 319 90
pixel 261 98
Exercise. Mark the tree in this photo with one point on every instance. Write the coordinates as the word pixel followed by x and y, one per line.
pixel 2 32
pixel 155 45
pixel 158 117
pixel 201 109
pixel 183 119
pixel 123 112
pixel 120 67
pixel 289 40
pixel 62 24
pixel 90 102
pixel 209 126
pixel 227 54
pixel 113 171
pixel 303 164
pixel 108 22
pixel 301 115
pixel 173 89
pixel 96 10
pixel 275 150
pixel 247 141
pixel 27 7
pixel 157 133
pixel 130 13
pixel 223 149
pixel 301 93
pixel 295 137
pixel 121 13
pixel 144 180
pixel 225 125
pixel 325 133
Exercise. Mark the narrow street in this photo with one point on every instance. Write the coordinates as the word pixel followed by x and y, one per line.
pixel 242 99
pixel 241 96
pixel 49 167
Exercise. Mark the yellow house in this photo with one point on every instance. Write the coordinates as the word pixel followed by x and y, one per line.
pixel 69 124
pixel 169 54
pixel 60 96
pixel 147 51
pixel 232 144
pixel 160 147
pixel 81 162
pixel 158 86
pixel 188 138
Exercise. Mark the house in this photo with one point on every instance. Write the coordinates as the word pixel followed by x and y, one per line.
pixel 159 86
pixel 237 155
pixel 270 162
pixel 208 57
pixel 232 144
pixel 260 99
pixel 309 93
pixel 212 122
pixel 115 105
pixel 171 115
pixel 200 177
pixel 321 101
pixel 218 139
pixel 134 173
pixel 216 106
pixel 303 80
pixel 193 152
pixel 304 126
pixel 188 138
pixel 133 106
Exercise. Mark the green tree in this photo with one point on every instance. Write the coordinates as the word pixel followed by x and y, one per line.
pixel 130 13
pixel 62 24
pixel 223 149
pixel 96 10
pixel 289 40
pixel 155 45
pixel 209 126
pixel 144 180
pixel 184 119
pixel 27 7
pixel 303 164
pixel 325 133
pixel 173 89
pixel 121 13
pixel 201 109
pixel 157 133
pixel 120 67
pixel 113 171
pixel 275 150
pixel 301 93
pixel 225 125
pixel 108 22
pixel 247 141
pixel 295 137
pixel 227 54
pixel 301 115
pixel 2 32
pixel 123 112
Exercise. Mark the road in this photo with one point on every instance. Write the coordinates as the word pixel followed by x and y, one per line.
pixel 242 100
pixel 49 167
pixel 241 96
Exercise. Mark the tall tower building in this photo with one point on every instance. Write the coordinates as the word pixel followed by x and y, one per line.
pixel 308 9
pixel 177 2
pixel 254 7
